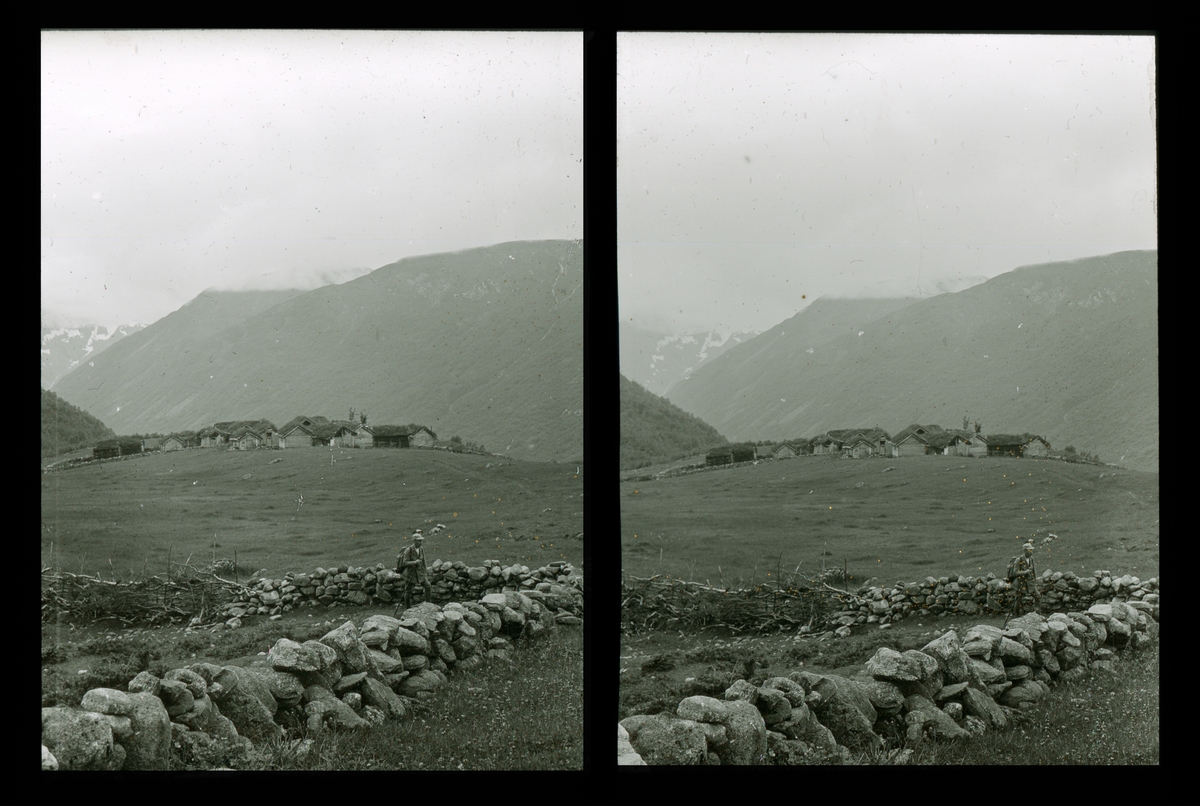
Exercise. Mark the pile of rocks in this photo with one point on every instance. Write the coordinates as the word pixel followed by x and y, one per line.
pixel 350 677
pixel 969 595
pixel 954 687
pixel 558 585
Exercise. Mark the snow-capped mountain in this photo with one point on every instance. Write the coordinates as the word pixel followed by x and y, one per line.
pixel 658 360
pixel 64 348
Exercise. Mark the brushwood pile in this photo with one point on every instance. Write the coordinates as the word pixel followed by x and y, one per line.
pixel 959 685
pixel 355 675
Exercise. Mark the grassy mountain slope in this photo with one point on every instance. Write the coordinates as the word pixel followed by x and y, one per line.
pixel 66 428
pixel 1067 350
pixel 484 343
pixel 655 430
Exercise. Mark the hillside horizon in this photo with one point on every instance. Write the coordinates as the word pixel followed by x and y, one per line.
pixel 483 343
pixel 1067 350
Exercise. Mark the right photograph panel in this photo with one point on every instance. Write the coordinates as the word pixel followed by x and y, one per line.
pixel 889 399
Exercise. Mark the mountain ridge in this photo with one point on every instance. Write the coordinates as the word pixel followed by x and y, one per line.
pixel 1067 350
pixel 485 343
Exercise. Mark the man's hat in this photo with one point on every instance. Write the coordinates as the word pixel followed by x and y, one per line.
pixel 1028 545
pixel 418 536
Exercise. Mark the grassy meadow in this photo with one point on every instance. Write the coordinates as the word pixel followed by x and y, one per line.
pixel 121 519
pixel 927 515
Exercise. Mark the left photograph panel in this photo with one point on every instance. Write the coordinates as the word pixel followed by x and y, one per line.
pixel 312 400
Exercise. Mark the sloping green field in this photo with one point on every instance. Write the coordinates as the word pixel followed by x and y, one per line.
pixel 206 502
pixel 934 515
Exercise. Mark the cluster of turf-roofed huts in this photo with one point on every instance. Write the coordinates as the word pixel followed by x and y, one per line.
pixel 299 432
pixel 914 440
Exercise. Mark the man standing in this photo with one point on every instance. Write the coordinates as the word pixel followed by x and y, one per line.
pixel 411 567
pixel 1023 577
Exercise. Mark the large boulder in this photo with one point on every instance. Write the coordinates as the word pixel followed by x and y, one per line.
pixel 845 708
pixel 987 673
pixel 929 679
pixel 773 705
pixel 953 662
pixel 888 664
pixel 379 695
pixel 150 746
pixel 323 708
pixel 1025 692
pixel 700 708
pixel 665 739
pixel 1032 624
pixel 176 696
pixel 107 701
pixel 886 698
pixel 977 704
pixel 246 700
pixel 931 722
pixel 745 729
pixel 350 651
pixel 626 755
pixel 286 689
pixel 386 664
pixel 429 614
pixel 747 733
pixel 192 680
pixel 200 718
pixel 804 726
pixel 289 656
pixel 1014 653
pixel 422 680
pixel 80 740
pixel 409 642
pixel 742 690
pixel 144 681
pixel 790 688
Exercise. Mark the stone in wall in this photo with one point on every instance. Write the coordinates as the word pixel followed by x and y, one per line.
pixel 665 739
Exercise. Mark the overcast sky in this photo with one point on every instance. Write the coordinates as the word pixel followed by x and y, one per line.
pixel 177 161
pixel 757 172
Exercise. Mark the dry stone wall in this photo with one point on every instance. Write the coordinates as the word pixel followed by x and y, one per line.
pixel 558 585
pixel 970 595
pixel 357 674
pixel 956 686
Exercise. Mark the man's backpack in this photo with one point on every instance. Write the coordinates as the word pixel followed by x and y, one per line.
pixel 1013 568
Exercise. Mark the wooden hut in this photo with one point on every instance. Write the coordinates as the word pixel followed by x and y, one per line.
pixel 1006 444
pixel 246 438
pixel 421 437
pixel 825 444
pixel 785 450
pixel 213 437
pixel 173 443
pixel 1036 446
pixel 919 440
pixel 719 456
pixel 112 448
pixel 364 436
pixel 911 445
pixel 298 436
pixel 390 436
